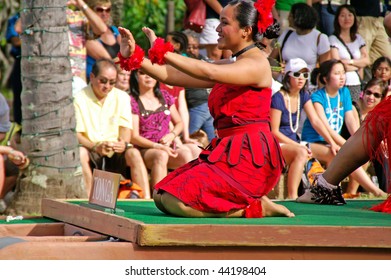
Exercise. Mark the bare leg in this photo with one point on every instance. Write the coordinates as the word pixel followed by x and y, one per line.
pixel 363 179
pixel 184 156
pixel 295 158
pixel 2 177
pixel 176 207
pixel 86 169
pixel 352 155
pixel 139 172
pixel 157 198
pixel 156 160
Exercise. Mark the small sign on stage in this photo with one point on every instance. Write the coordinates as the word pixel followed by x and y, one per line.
pixel 105 188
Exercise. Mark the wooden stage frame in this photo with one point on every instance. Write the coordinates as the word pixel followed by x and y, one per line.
pixel 139 240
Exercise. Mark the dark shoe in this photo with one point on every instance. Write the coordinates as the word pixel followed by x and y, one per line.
pixel 322 192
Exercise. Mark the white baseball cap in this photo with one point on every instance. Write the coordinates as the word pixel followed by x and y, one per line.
pixel 295 65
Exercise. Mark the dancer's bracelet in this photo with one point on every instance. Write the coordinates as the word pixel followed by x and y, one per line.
pixel 134 61
pixel 159 49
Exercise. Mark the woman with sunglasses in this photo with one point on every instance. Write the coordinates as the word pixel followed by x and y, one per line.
pixel 287 107
pixel 107 45
pixel 233 176
pixel 334 107
pixel 348 46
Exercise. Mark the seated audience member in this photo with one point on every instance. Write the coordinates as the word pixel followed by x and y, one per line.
pixel 348 46
pixel 381 69
pixel 179 40
pixel 10 159
pixel 153 110
pixel 286 108
pixel 304 41
pixel 107 45
pixel 333 104
pixel 123 79
pixel 104 125
pixel 10 162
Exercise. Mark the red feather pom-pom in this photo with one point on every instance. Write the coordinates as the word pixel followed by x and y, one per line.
pixel 134 61
pixel 159 49
pixel 384 207
pixel 265 17
pixel 254 210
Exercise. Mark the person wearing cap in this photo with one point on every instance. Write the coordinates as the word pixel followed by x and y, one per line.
pixel 303 40
pixel 333 104
pixel 286 108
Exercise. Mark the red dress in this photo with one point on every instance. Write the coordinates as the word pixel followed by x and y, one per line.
pixel 243 164
pixel 380 119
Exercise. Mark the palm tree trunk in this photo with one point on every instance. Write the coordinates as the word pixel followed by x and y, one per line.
pixel 48 127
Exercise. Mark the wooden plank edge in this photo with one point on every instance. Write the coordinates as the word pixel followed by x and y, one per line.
pixel 306 236
pixel 95 220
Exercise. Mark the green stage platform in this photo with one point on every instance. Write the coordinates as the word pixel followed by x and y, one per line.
pixel 143 232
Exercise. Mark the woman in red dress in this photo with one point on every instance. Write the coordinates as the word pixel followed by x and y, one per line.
pixel 232 177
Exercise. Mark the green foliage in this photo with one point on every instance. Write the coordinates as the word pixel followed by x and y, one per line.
pixel 150 13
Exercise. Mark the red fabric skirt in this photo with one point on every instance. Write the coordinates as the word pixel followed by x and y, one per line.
pixel 236 169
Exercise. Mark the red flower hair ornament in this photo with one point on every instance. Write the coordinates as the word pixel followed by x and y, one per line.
pixel 265 17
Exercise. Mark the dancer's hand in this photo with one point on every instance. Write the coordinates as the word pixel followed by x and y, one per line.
pixel 128 44
pixel 150 35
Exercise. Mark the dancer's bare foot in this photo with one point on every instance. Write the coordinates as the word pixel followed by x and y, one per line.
pixel 271 209
pixel 150 35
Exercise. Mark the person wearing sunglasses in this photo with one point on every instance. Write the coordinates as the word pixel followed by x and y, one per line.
pixel 107 45
pixel 104 127
pixel 287 106
pixel 333 104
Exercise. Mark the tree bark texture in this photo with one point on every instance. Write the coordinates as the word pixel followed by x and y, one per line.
pixel 48 127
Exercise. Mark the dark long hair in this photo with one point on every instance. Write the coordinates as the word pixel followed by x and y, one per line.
pixel 379 61
pixel 135 89
pixel 337 27
pixel 304 17
pixel 180 38
pixel 325 69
